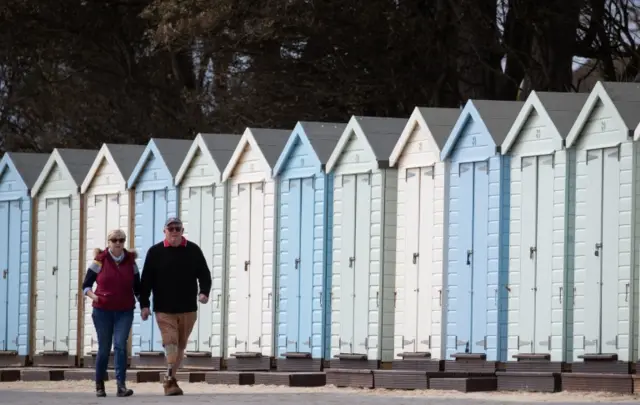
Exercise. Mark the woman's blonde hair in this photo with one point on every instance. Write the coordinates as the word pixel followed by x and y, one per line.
pixel 116 233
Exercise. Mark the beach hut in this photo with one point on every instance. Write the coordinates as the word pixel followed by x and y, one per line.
pixel 251 236
pixel 537 226
pixel 477 232
pixel 303 236
pixel 60 257
pixel 156 199
pixel 420 232
pixel 604 252
pixel 364 242
pixel 203 211
pixel 18 174
pixel 108 207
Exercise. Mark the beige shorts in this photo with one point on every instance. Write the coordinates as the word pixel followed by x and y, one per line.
pixel 176 328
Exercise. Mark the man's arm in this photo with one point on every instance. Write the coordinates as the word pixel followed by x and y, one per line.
pixel 136 281
pixel 147 280
pixel 202 272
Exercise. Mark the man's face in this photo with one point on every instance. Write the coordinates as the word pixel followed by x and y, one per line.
pixel 173 233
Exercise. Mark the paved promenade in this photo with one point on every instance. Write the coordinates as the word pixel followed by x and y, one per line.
pixel 80 393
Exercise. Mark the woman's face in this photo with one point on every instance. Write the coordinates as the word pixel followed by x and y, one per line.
pixel 116 243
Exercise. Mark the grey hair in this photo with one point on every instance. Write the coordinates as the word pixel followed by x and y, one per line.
pixel 116 233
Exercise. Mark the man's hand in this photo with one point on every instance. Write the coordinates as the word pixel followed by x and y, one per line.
pixel 145 314
pixel 203 299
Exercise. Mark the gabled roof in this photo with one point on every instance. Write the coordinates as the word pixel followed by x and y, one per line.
pixel 496 116
pixel 123 156
pixel 27 165
pixel 440 122
pixel 171 151
pixel 217 149
pixel 624 98
pixel 437 121
pixel 221 146
pixel 74 163
pixel 321 137
pixel 559 109
pixel 268 142
pixel 379 134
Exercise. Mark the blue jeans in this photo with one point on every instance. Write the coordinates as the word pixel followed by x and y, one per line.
pixel 112 327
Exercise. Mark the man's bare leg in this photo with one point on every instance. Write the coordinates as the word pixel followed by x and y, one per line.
pixel 171 350
pixel 178 361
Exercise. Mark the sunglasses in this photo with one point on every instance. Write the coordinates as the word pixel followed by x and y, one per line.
pixel 121 240
pixel 174 228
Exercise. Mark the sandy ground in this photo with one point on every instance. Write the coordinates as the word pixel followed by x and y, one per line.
pixel 81 392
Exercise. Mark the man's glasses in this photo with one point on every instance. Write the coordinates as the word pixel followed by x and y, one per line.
pixel 121 240
pixel 174 229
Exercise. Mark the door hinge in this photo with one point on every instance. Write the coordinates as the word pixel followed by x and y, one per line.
pixel 427 342
pixel 407 342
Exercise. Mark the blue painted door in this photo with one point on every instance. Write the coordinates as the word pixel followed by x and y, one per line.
pixel 299 281
pixel 292 282
pixel 305 271
pixel 460 276
pixel 479 296
pixel 154 205
pixel 10 216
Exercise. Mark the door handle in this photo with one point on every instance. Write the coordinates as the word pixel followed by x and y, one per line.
pixel 321 299
pixel 469 253
pixel 560 294
pixel 246 265
pixel 4 273
pixel 532 250
pixel 351 260
pixel 415 257
pixel 626 294
pixel 598 248
pixel 53 272
pixel 297 263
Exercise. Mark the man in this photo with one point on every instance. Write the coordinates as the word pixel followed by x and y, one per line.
pixel 176 272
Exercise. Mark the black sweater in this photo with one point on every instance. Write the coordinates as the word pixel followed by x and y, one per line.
pixel 175 276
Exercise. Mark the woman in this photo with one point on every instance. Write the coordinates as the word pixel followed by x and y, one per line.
pixel 118 283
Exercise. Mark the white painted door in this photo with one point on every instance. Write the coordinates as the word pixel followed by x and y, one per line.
pixel 592 276
pixel 366 296
pixel 57 281
pixel 528 215
pixel 614 285
pixel 347 252
pixel 106 217
pixel 424 260
pixel 259 303
pixel 536 244
pixel 242 317
pixel 604 308
pixel 412 246
pixel 201 230
pixel 544 255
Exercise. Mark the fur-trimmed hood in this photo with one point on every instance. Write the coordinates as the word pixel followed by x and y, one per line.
pixel 97 252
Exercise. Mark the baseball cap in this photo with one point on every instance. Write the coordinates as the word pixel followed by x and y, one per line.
pixel 173 221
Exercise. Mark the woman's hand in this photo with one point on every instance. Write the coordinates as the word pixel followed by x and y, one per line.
pixel 93 296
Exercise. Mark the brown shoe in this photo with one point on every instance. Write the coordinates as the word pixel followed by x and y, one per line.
pixel 170 386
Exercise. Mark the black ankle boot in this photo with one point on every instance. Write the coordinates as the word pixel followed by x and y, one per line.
pixel 123 391
pixel 100 392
